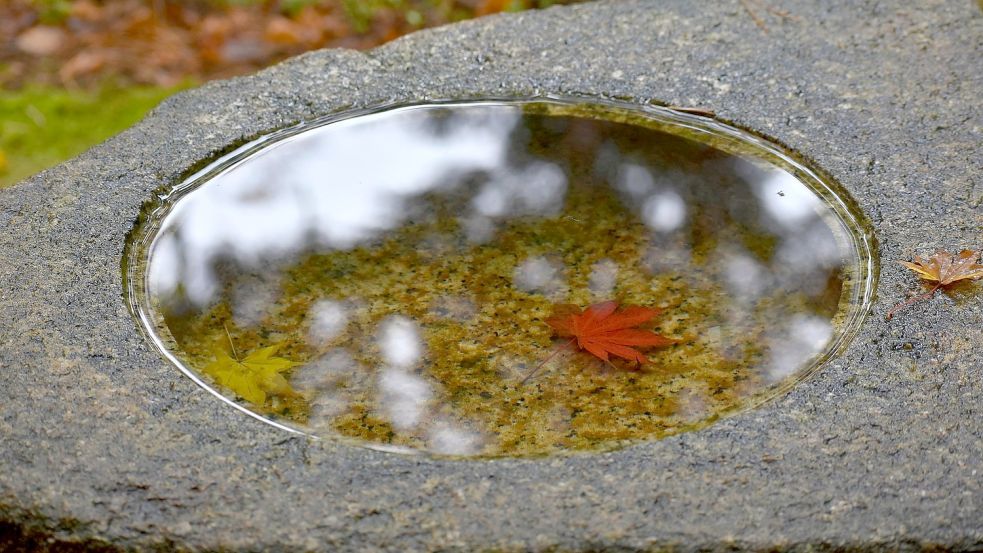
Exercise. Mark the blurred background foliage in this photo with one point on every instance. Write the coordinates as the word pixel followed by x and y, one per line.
pixel 74 72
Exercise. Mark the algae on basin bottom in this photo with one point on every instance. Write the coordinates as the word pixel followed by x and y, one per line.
pixel 483 334
pixel 404 303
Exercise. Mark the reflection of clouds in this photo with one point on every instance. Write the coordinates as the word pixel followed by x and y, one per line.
pixel 164 272
pixel 802 337
pixel 746 279
pixel 603 277
pixel 634 180
pixel 338 185
pixel 321 378
pixel 536 188
pixel 449 439
pixel 537 274
pixel 478 229
pixel 251 299
pixel 328 319
pixel 325 406
pixel 326 371
pixel 662 207
pixel 786 200
pixel 399 342
pixel 403 397
pixel 783 198
pixel 664 211
pixel 810 248
pixel 607 161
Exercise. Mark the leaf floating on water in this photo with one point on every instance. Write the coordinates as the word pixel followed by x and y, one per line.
pixel 603 331
pixel 942 268
pixel 255 376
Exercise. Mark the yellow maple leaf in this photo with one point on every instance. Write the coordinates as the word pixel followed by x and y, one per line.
pixel 253 377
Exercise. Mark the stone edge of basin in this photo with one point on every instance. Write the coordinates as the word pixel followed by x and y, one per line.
pixel 107 446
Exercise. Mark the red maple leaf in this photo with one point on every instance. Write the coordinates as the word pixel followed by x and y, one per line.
pixel 603 331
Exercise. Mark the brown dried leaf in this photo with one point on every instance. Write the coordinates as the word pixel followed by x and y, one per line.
pixel 943 269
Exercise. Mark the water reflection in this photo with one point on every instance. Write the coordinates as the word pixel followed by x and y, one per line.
pixel 539 275
pixel 746 278
pixel 406 261
pixel 803 337
pixel 399 342
pixel 328 320
pixel 664 211
pixel 536 188
pixel 603 278
pixel 327 188
pixel 448 439
pixel 403 397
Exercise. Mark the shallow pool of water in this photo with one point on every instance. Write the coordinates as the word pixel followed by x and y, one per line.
pixel 386 278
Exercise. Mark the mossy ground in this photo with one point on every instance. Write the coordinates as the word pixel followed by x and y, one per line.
pixel 41 126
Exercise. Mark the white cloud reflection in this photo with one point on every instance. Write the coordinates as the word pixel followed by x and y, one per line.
pixel 400 342
pixel 762 250
pixel 746 278
pixel 538 274
pixel 328 320
pixel 326 371
pixel 803 337
pixel 603 277
pixel 810 248
pixel 478 229
pixel 634 180
pixel 537 188
pixel 403 397
pixel 783 198
pixel 252 298
pixel 338 185
pixel 664 211
pixel 449 439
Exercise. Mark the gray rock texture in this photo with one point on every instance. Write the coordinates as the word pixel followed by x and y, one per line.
pixel 103 444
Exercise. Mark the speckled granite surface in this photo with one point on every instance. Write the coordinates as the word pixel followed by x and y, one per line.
pixel 103 444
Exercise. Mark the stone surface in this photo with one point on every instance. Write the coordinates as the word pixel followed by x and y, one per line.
pixel 102 443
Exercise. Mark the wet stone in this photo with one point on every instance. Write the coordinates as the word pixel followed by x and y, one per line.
pixel 386 279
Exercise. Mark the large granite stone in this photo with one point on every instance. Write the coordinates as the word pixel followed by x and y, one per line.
pixel 103 443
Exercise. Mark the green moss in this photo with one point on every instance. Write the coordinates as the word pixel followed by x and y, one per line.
pixel 43 126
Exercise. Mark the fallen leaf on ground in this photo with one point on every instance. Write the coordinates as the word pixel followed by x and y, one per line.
pixel 255 376
pixel 942 268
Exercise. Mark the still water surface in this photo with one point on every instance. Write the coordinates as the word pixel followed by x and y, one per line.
pixel 386 278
